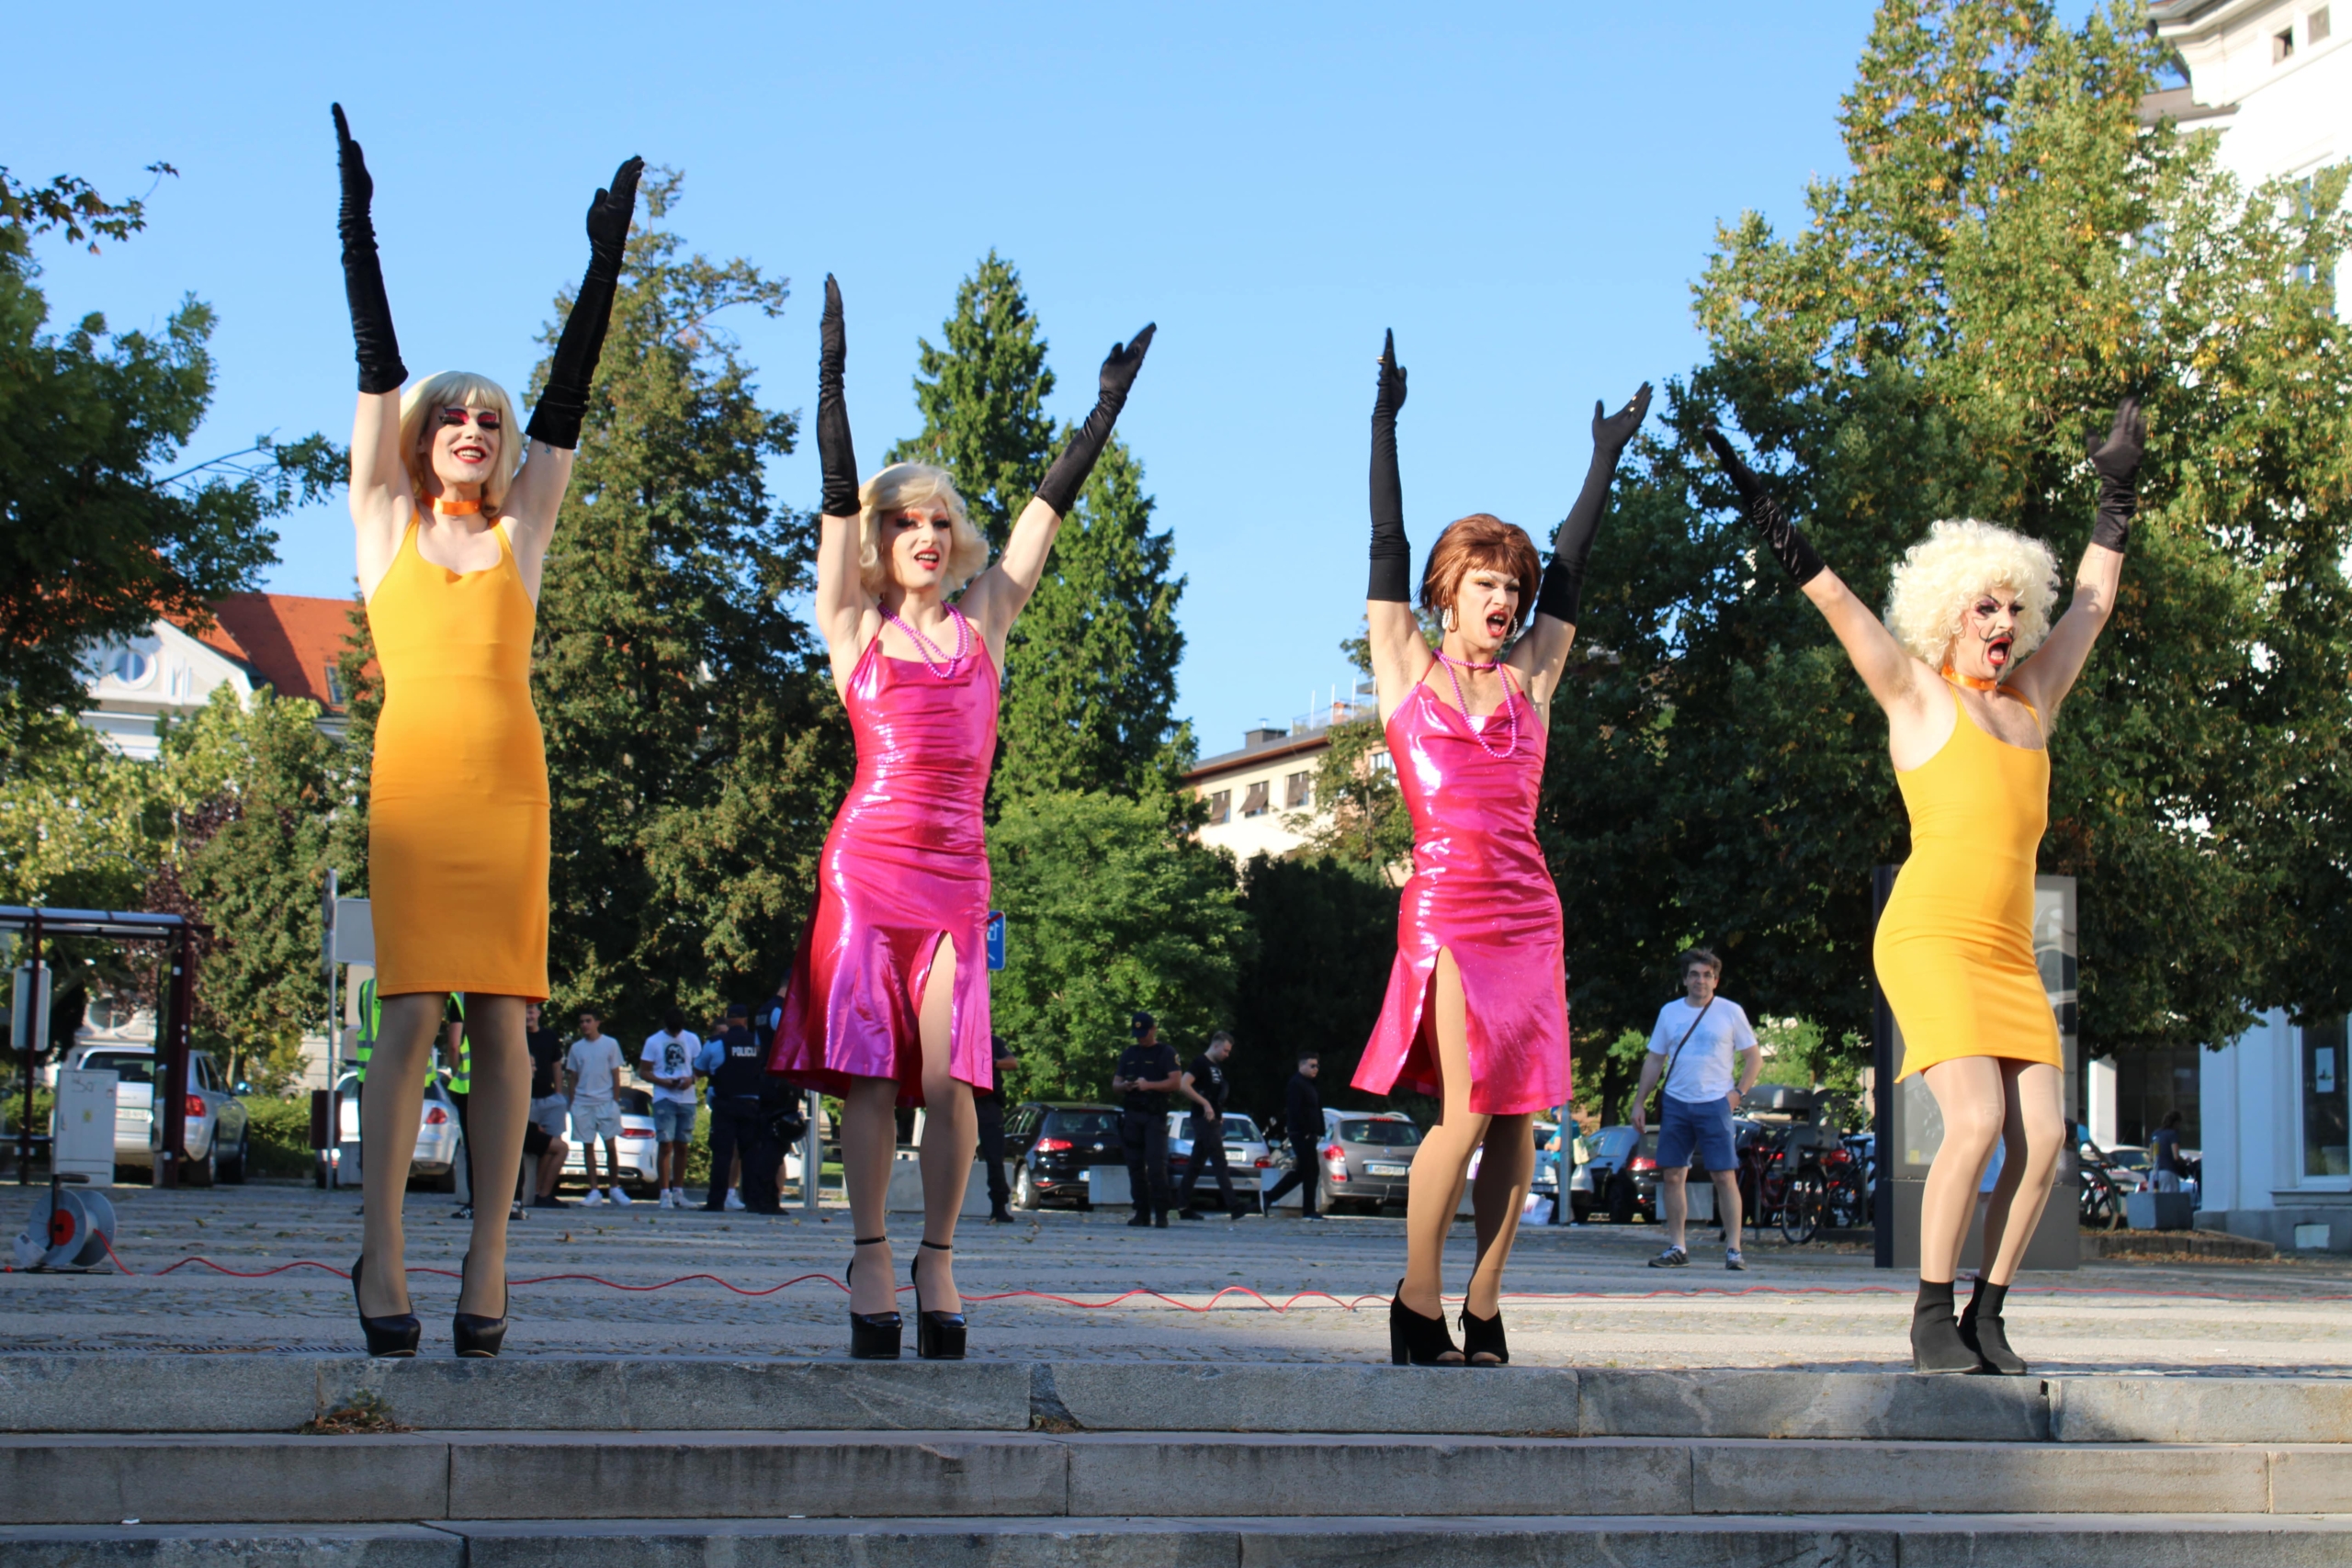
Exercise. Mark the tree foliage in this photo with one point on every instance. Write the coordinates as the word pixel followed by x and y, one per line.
pixel 1327 936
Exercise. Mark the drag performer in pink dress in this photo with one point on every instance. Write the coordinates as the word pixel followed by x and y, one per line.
pixel 1477 1015
pixel 887 1004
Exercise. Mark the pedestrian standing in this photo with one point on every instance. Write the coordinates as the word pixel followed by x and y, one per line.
pixel 2164 1153
pixel 1205 1085
pixel 989 1104
pixel 1692 1047
pixel 668 1060
pixel 548 1110
pixel 594 1066
pixel 735 1110
pixel 1147 1075
pixel 1303 1124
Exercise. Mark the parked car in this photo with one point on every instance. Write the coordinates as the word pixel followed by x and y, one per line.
pixel 1623 1173
pixel 1051 1144
pixel 1366 1158
pixel 437 1135
pixel 219 1137
pixel 633 1152
pixel 1245 1155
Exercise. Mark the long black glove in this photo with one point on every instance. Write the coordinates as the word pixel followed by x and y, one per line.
pixel 2118 461
pixel 564 403
pixel 1392 553
pixel 834 452
pixel 1765 515
pixel 1067 475
pixel 380 370
pixel 1562 592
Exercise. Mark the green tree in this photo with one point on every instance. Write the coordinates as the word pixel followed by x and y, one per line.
pixel 77 819
pixel 1327 938
pixel 1109 907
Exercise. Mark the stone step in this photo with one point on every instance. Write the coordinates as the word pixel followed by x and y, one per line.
pixel 124 1392
pixel 387 1478
pixel 1816 1540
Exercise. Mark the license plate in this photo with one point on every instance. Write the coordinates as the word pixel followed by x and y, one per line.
pixel 1388 1169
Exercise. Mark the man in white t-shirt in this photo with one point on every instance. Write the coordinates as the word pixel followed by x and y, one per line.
pixel 593 1063
pixel 669 1061
pixel 1698 1038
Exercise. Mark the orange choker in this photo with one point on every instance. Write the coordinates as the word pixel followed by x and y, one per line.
pixel 455 508
pixel 1973 683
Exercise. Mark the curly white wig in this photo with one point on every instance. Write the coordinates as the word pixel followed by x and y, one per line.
pixel 1961 560
pixel 895 489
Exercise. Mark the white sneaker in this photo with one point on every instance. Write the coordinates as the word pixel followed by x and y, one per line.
pixel 596 1199
pixel 663 1200
pixel 677 1196
pixel 620 1198
pixel 734 1201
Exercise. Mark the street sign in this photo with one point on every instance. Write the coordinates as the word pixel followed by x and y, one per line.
pixel 996 939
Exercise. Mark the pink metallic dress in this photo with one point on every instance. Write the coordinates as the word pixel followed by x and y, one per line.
pixel 905 864
pixel 1481 890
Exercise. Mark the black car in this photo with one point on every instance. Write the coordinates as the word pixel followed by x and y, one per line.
pixel 1050 1144
pixel 1623 1168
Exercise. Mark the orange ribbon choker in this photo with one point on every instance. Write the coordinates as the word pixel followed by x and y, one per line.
pixel 455 508
pixel 1973 683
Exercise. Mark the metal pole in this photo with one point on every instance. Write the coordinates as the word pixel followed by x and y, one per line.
pixel 173 1153
pixel 1884 1067
pixel 335 1023
pixel 812 1153
pixel 32 1018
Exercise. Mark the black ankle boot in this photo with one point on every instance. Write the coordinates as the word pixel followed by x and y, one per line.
pixel 1416 1340
pixel 1484 1337
pixel 1935 1344
pixel 1981 1330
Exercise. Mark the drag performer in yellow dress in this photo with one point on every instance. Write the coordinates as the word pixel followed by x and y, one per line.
pixel 1969 719
pixel 453 518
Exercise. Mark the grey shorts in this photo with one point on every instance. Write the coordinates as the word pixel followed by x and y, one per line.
pixel 549 1114
pixel 596 1119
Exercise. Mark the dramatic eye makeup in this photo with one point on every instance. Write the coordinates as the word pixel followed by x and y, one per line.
pixel 483 419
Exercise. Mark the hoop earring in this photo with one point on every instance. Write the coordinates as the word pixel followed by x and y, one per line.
pixel 1447 620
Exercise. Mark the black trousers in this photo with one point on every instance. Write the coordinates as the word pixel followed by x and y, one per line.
pixel 1206 1151
pixel 1302 1175
pixel 736 1123
pixel 992 1118
pixel 1144 1133
pixel 465 1144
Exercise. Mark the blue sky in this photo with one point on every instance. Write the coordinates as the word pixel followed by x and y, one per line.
pixel 1524 192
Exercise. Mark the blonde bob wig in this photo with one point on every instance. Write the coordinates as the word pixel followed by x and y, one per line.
pixel 1959 561
pixel 895 489
pixel 460 388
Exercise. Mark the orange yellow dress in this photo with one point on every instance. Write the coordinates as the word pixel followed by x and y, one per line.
pixel 1954 948
pixel 458 795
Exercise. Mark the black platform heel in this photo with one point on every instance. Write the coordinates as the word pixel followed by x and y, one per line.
pixel 391 1336
pixel 938 1336
pixel 872 1336
pixel 1415 1340
pixel 475 1334
pixel 1484 1337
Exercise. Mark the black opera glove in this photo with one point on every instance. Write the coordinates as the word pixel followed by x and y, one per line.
pixel 1067 475
pixel 564 402
pixel 1562 597
pixel 2118 461
pixel 1765 515
pixel 835 453
pixel 1392 553
pixel 378 350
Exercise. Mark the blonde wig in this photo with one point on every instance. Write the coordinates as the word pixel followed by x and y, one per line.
pixel 460 388
pixel 895 489
pixel 1959 560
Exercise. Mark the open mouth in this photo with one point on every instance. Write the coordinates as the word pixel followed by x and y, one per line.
pixel 1498 624
pixel 927 560
pixel 470 454
pixel 1996 652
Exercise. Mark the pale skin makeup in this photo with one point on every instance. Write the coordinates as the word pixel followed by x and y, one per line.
pixel 459 458
pixel 916 547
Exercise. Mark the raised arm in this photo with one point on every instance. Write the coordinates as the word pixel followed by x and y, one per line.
pixel 999 594
pixel 378 478
pixel 531 504
pixel 1401 655
pixel 1901 684
pixel 843 605
pixel 2045 679
pixel 1542 654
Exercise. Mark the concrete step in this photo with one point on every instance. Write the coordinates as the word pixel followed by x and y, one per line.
pixel 387 1478
pixel 124 1392
pixel 1818 1540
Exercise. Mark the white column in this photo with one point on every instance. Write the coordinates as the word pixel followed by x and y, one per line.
pixel 2098 1114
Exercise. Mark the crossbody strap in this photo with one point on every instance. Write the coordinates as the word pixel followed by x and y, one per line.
pixel 1667 1076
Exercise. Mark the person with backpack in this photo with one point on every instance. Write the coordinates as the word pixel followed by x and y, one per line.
pixel 1693 1048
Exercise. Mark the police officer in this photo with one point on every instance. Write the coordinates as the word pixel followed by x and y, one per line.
pixel 736 1118
pixel 1147 1075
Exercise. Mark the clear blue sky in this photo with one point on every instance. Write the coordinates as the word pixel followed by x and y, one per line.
pixel 1525 191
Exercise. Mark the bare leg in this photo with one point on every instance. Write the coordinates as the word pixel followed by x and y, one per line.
pixel 2032 1126
pixel 551 1165
pixel 1506 1173
pixel 869 1141
pixel 1970 1095
pixel 388 1115
pixel 950 1134
pixel 1727 1206
pixel 1442 1161
pixel 1674 1202
pixel 496 1117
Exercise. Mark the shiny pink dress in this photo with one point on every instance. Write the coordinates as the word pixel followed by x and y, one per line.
pixel 906 863
pixel 1481 890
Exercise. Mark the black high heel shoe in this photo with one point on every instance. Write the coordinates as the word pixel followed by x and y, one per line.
pixel 1416 1340
pixel 938 1336
pixel 477 1336
pixel 872 1336
pixel 1484 1337
pixel 395 1335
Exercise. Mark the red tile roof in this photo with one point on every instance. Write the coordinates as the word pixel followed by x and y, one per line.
pixel 286 639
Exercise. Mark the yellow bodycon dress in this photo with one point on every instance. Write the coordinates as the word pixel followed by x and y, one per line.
pixel 458 811
pixel 1954 948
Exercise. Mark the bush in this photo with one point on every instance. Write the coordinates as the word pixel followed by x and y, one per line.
pixel 278 1135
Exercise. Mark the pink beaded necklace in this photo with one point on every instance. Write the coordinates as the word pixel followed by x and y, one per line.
pixel 1477 732
pixel 927 647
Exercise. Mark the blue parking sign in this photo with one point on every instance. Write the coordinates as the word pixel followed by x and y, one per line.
pixel 996 939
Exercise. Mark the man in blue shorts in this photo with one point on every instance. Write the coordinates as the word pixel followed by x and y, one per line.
pixel 1698 1038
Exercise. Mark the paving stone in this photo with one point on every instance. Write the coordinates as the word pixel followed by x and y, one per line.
pixel 1266 1396
pixel 2097 1540
pixel 1737 1404
pixel 2311 1480
pixel 65 1479
pixel 1862 1478
pixel 850 1543
pixel 2200 1410
pixel 207 1546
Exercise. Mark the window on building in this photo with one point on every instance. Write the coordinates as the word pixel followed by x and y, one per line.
pixel 2316 26
pixel 334 686
pixel 1220 807
pixel 1253 802
pixel 2282 45
pixel 1298 790
pixel 2327 1099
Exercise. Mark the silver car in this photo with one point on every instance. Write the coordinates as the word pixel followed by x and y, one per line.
pixel 438 1139
pixel 1245 1149
pixel 1366 1158
pixel 218 1135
